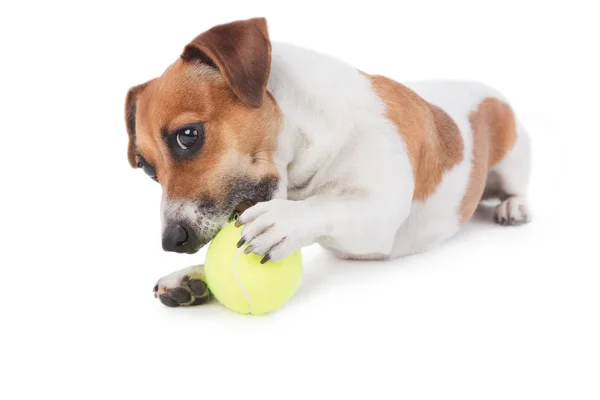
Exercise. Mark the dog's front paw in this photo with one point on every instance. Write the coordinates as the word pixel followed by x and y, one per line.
pixel 274 229
pixel 185 287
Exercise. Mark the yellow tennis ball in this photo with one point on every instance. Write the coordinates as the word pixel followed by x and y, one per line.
pixel 241 283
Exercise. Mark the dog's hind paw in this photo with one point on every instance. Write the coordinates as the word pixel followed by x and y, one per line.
pixel 512 211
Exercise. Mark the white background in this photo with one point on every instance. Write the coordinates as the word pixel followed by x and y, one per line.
pixel 495 313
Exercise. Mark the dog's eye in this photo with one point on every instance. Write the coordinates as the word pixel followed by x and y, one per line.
pixel 185 141
pixel 148 170
pixel 187 137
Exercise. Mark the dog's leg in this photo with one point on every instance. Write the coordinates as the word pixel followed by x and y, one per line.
pixel 185 287
pixel 276 228
pixel 508 182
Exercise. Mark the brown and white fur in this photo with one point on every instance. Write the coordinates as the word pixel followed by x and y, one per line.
pixel 320 152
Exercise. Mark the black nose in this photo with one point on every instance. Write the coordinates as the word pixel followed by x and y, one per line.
pixel 180 238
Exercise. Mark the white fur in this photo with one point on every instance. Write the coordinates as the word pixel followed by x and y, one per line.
pixel 174 279
pixel 334 127
pixel 198 218
pixel 346 161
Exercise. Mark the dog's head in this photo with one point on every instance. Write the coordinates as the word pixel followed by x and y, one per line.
pixel 206 131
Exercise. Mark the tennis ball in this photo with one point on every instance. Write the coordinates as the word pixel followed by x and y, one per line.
pixel 241 283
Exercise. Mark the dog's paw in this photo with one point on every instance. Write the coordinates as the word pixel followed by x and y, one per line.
pixel 274 229
pixel 512 211
pixel 186 287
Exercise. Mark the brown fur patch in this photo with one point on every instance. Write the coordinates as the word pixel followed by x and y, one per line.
pixel 433 139
pixel 235 134
pixel 501 126
pixel 494 134
pixel 130 113
pixel 242 52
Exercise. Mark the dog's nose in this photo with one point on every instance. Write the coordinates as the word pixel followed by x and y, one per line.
pixel 180 238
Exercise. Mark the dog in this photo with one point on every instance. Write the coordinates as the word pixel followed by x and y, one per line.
pixel 312 150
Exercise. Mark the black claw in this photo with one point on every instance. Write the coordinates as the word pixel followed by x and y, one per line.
pixel 241 242
pixel 180 295
pixel 198 287
pixel 167 301
pixel 265 259
pixel 155 288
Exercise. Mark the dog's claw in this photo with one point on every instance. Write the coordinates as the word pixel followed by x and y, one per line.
pixel 265 259
pixel 241 242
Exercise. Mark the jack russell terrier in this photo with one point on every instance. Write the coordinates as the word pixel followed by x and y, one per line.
pixel 311 150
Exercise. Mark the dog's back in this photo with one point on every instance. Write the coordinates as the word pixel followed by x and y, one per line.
pixel 461 139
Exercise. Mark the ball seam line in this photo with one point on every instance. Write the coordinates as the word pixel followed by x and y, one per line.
pixel 237 279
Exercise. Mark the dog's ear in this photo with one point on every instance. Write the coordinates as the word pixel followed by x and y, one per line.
pixel 130 114
pixel 241 50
